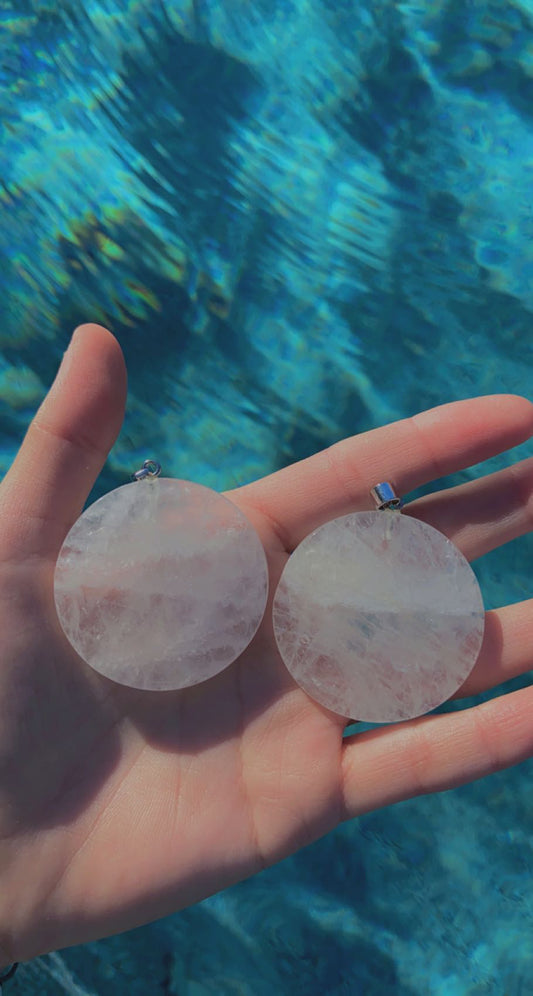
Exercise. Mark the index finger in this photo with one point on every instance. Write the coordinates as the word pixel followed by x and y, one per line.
pixel 408 453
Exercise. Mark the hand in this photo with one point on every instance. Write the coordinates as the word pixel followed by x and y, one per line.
pixel 118 807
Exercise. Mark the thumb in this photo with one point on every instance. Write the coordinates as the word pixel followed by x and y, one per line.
pixel 65 446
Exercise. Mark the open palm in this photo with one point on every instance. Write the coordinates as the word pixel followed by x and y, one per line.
pixel 119 806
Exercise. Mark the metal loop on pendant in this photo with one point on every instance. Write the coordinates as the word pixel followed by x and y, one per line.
pixel 385 496
pixel 150 468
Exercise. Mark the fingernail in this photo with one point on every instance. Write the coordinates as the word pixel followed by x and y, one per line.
pixel 65 360
pixel 73 338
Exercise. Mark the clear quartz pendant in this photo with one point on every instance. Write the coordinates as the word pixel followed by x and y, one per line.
pixel 378 616
pixel 162 584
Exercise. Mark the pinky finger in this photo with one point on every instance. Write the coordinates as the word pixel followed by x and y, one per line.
pixel 435 753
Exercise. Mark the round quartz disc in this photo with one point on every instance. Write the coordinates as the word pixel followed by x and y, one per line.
pixel 378 616
pixel 161 584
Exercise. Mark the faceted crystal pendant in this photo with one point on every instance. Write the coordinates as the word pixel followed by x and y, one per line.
pixel 378 616
pixel 161 584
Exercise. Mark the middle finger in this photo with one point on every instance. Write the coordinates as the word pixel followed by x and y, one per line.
pixel 481 515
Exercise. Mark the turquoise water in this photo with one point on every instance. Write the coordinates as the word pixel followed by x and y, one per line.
pixel 301 219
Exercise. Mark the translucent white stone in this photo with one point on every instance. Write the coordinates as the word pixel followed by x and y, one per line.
pixel 378 616
pixel 161 584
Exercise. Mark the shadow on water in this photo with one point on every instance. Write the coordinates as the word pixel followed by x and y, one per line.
pixel 274 947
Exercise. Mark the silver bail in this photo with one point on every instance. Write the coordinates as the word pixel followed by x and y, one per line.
pixel 150 468
pixel 385 497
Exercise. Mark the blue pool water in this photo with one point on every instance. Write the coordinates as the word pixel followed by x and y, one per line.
pixel 302 219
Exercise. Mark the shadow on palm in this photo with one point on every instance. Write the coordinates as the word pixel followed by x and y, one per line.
pixel 69 727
